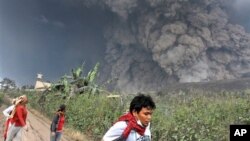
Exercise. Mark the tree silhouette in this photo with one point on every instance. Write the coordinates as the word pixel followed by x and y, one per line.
pixel 7 84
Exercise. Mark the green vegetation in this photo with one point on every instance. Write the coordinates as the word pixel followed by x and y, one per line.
pixel 179 116
pixel 190 115
pixel 69 85
pixel 89 114
pixel 1 97
pixel 193 117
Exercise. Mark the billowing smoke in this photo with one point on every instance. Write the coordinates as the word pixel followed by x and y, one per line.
pixel 155 42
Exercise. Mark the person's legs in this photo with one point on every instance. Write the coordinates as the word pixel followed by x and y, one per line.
pixel 52 137
pixel 18 136
pixel 12 132
pixel 58 136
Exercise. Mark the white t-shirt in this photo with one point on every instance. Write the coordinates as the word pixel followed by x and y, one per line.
pixel 117 129
pixel 7 111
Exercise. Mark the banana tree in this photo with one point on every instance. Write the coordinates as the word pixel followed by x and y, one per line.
pixel 75 83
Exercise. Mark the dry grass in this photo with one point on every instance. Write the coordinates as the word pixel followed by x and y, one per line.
pixel 75 135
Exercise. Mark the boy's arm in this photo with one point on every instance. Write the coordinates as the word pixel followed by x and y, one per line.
pixel 115 131
pixel 54 123
pixel 7 111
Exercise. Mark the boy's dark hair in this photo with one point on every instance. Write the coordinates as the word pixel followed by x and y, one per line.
pixel 141 101
pixel 62 108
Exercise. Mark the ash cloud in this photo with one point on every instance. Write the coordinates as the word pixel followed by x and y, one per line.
pixel 156 42
pixel 151 43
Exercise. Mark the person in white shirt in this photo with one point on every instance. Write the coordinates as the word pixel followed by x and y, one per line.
pixel 135 125
pixel 7 111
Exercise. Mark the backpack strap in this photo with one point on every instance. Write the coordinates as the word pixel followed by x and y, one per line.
pixel 54 123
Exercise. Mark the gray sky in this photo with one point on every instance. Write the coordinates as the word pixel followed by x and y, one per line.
pixel 240 13
pixel 53 36
pixel 48 37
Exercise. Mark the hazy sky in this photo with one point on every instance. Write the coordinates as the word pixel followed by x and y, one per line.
pixel 48 37
pixel 240 13
pixel 53 36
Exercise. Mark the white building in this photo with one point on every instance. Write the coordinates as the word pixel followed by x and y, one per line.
pixel 40 84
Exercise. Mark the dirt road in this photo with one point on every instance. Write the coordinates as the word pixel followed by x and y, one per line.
pixel 39 128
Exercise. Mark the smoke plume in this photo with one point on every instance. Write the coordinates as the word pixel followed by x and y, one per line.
pixel 151 43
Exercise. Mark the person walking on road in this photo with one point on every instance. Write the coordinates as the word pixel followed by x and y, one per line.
pixel 7 113
pixel 56 127
pixel 18 119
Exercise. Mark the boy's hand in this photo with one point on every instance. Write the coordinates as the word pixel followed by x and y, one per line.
pixel 53 133
pixel 25 127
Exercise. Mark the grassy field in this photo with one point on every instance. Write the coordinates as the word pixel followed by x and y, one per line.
pixel 181 115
